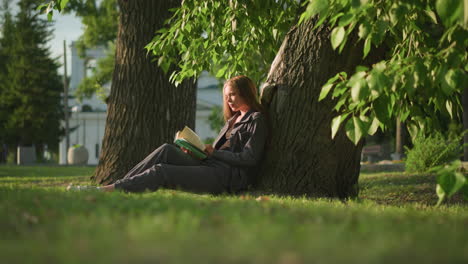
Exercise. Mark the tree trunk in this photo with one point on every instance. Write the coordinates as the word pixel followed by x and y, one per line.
pixel 144 109
pixel 465 124
pixel 400 140
pixel 303 158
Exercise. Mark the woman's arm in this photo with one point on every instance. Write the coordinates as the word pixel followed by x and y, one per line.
pixel 253 149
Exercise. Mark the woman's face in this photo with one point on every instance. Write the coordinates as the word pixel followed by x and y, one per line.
pixel 234 100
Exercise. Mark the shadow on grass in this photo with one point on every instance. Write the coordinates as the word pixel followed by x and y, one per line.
pixel 400 188
pixel 44 171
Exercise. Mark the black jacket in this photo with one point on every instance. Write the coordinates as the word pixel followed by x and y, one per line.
pixel 247 143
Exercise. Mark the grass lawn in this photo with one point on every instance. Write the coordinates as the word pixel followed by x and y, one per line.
pixel 393 221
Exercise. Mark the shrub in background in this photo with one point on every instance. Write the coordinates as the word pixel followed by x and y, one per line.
pixel 431 151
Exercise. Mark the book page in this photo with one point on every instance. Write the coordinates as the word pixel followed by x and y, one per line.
pixel 190 136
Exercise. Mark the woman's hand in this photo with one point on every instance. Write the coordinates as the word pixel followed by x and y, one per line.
pixel 186 151
pixel 209 149
pixel 189 152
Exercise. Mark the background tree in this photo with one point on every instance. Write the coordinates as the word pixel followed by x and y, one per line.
pixel 6 44
pixel 31 86
pixel 144 108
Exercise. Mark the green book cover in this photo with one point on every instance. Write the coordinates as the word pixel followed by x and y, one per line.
pixel 195 151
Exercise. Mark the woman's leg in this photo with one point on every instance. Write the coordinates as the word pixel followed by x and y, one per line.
pixel 200 179
pixel 166 153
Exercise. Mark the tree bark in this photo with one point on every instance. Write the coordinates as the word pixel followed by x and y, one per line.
pixel 144 108
pixel 303 159
pixel 400 140
pixel 465 124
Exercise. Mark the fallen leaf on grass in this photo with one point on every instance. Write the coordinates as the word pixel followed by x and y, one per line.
pixel 263 198
pixel 31 219
pixel 289 258
pixel 90 198
pixel 246 197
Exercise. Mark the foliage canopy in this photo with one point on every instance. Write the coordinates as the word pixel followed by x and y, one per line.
pixel 421 77
pixel 100 20
pixel 240 37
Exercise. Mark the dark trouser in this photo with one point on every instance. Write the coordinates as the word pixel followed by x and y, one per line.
pixel 170 167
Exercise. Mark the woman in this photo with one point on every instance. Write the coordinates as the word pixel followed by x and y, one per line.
pixel 232 160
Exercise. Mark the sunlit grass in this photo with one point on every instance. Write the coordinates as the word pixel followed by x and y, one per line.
pixel 42 223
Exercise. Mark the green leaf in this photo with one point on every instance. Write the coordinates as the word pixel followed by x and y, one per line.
pixel 359 90
pixel 323 16
pixel 408 82
pixel 332 21
pixel 343 43
pixel 432 15
pixel 440 193
pixel 455 78
pixel 50 8
pixel 376 80
pixel 63 3
pixel 335 125
pixel 325 90
pixel 448 105
pixel 41 6
pixel 460 181
pixel 340 103
pixel 379 30
pixel 337 36
pixel 380 106
pixel 188 27
pixel 50 15
pixel 361 68
pixel 367 47
pixel 360 129
pixel 353 131
pixel 450 82
pixel 374 126
pixel 340 89
pixel 380 66
pixel 360 73
pixel 222 71
pixel 334 78
pixel 315 7
pixel 404 114
pixel 397 13
pixel 364 30
pixel 346 19
pixel 450 11
pixel 450 181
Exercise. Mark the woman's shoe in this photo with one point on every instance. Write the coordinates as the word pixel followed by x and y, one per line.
pixel 72 187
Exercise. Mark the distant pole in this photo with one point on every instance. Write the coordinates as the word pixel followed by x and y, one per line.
pixel 65 101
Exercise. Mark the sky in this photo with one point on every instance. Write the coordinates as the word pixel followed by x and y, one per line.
pixel 66 27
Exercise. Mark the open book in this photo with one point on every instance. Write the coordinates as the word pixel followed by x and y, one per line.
pixel 188 139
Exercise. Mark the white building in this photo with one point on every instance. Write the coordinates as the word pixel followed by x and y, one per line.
pixel 87 128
